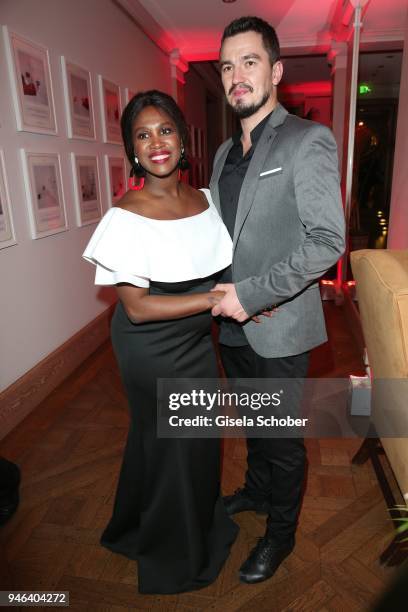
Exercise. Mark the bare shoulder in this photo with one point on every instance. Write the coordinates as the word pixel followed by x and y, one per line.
pixel 195 195
pixel 132 201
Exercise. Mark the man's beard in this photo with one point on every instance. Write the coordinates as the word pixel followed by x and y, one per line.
pixel 243 112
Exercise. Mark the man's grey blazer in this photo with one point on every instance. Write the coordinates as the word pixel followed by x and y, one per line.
pixel 289 230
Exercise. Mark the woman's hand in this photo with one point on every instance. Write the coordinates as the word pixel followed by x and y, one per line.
pixel 215 297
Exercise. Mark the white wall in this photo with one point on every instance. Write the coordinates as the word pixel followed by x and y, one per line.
pixel 47 292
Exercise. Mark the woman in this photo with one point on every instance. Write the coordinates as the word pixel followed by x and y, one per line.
pixel 162 246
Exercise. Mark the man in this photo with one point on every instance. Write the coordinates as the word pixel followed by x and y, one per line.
pixel 276 185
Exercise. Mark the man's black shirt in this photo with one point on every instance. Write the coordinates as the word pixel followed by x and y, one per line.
pixel 230 183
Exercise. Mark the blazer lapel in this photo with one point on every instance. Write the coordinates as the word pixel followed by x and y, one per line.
pixel 215 192
pixel 250 184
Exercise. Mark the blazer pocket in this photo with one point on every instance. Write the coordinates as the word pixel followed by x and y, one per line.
pixel 270 173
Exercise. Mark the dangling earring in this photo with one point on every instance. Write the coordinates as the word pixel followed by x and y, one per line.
pixel 137 165
pixel 131 184
pixel 183 163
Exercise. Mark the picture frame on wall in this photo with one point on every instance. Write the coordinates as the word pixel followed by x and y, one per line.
pixel 31 84
pixel 78 97
pixel 115 170
pixel 85 171
pixel 44 191
pixel 109 94
pixel 129 94
pixel 7 236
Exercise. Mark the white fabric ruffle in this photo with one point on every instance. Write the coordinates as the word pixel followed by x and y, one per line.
pixel 130 248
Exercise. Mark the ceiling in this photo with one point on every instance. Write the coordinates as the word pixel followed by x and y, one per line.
pixel 307 31
pixel 303 26
pixel 380 68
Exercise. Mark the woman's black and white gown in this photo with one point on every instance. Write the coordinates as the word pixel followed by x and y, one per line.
pixel 168 514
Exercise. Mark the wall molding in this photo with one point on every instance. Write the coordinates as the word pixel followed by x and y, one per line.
pixel 20 398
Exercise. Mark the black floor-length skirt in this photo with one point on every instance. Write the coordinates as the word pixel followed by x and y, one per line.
pixel 168 514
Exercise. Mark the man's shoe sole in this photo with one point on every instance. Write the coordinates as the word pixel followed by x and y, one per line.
pixel 254 580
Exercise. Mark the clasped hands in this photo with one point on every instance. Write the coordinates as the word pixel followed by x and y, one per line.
pixel 230 306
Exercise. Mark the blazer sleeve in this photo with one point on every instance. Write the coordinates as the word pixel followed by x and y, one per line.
pixel 320 210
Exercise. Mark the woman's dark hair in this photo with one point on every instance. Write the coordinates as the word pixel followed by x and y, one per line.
pixel 160 100
pixel 255 24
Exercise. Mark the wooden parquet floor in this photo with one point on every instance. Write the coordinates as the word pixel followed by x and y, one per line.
pixel 69 451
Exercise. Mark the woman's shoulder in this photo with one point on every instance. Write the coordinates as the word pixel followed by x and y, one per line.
pixel 133 203
pixel 202 195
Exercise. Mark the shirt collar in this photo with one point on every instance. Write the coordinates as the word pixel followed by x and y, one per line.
pixel 255 133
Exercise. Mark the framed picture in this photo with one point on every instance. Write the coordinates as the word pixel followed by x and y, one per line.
pixel 115 169
pixel 78 101
pixel 86 185
pixel 110 106
pixel 30 75
pixel 7 237
pixel 45 196
pixel 129 93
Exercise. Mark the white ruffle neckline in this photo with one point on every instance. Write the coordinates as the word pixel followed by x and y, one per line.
pixel 128 247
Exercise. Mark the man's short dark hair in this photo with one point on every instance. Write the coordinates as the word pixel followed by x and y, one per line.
pixel 255 24
pixel 159 100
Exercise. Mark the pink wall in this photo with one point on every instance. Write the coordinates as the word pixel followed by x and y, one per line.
pixel 48 291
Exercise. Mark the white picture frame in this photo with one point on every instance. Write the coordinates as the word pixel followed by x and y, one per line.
pixel 109 94
pixel 7 235
pixel 115 170
pixel 129 94
pixel 78 96
pixel 44 192
pixel 31 84
pixel 85 170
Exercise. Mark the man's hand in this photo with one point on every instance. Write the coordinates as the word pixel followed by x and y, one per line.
pixel 230 305
pixel 264 313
